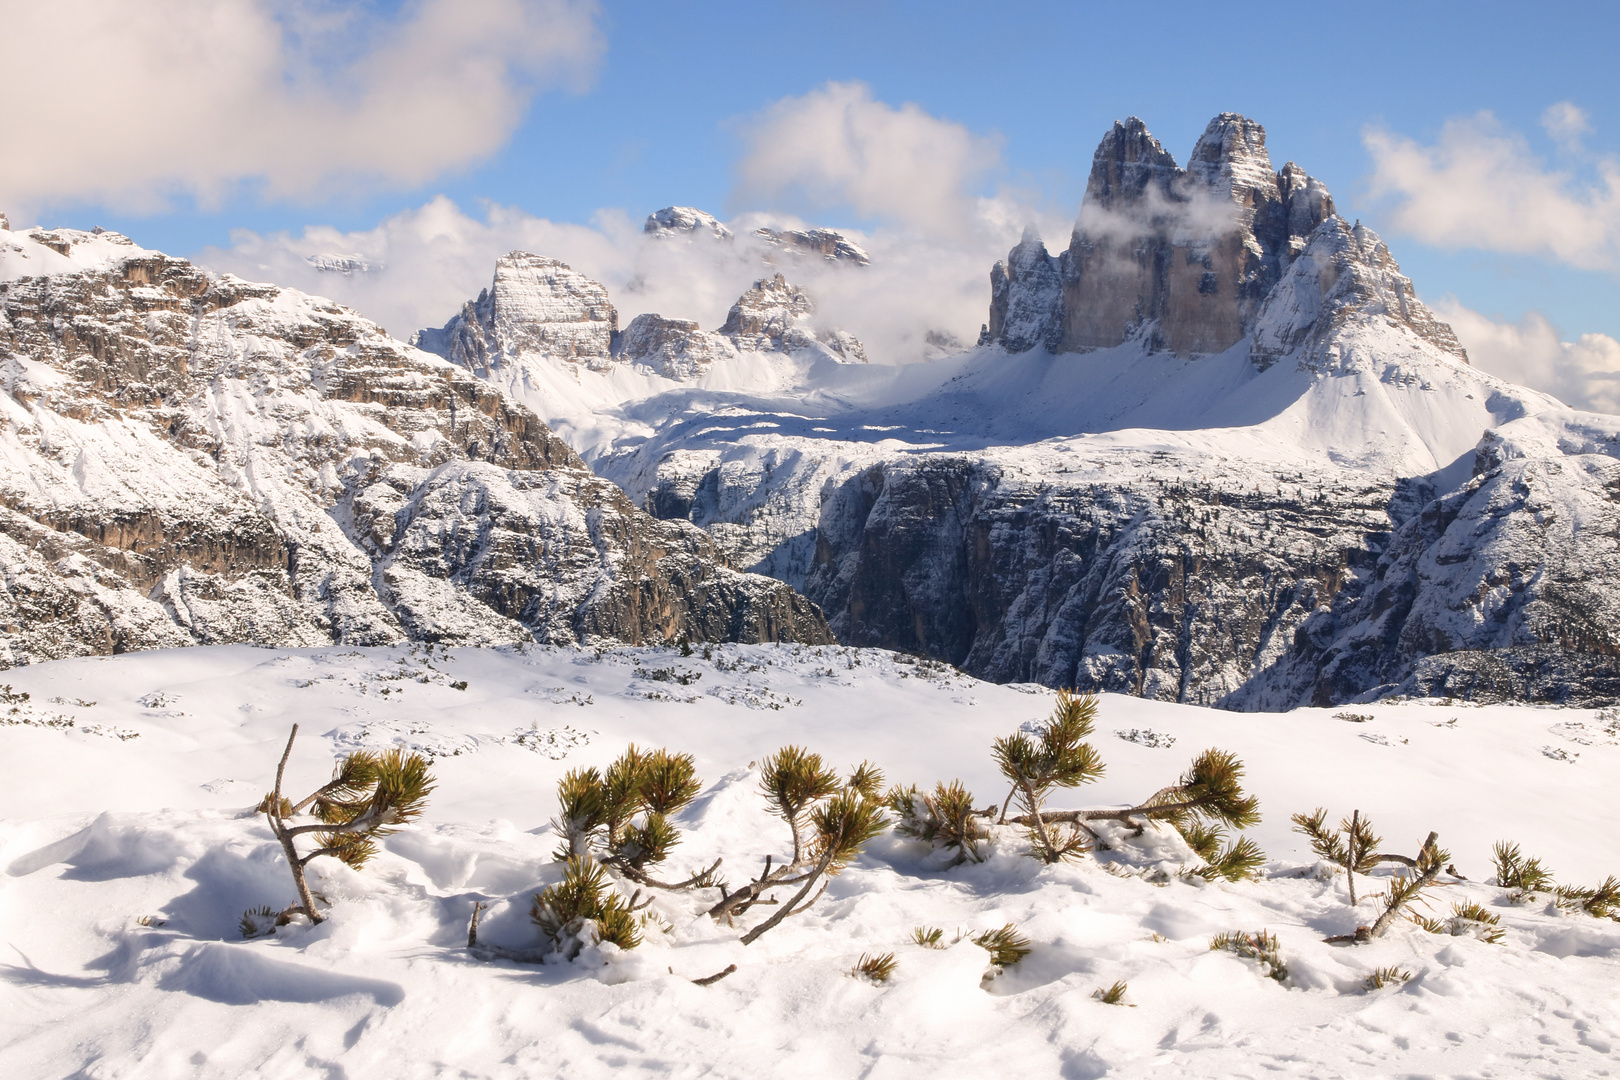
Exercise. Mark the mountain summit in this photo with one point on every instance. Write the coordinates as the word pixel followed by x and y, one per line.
pixel 1185 259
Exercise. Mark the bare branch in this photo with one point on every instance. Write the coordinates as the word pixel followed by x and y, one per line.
pixel 788 909
pixel 710 980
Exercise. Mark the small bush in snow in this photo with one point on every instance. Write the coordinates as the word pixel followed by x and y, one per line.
pixel 1526 877
pixel 1353 845
pixel 1006 945
pixel 875 968
pixel 584 909
pixel 367 795
pixel 1602 902
pixel 621 815
pixel 1385 976
pixel 1058 758
pixel 1114 995
pixel 929 937
pixel 830 824
pixel 1262 947
pixel 1467 919
pixel 945 818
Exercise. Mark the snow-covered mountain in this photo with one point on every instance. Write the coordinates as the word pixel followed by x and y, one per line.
pixel 1214 451
pixel 189 458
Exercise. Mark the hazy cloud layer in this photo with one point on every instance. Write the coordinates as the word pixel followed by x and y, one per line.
pixel 1481 186
pixel 140 102
pixel 1584 373
pixel 931 252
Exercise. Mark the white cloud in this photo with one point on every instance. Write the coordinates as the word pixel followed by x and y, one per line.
pixel 1584 373
pixel 837 146
pixel 130 104
pixel 931 256
pixel 1566 123
pixel 1480 186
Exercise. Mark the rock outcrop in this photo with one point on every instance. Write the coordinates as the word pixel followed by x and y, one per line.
pixel 190 458
pixel 828 244
pixel 774 315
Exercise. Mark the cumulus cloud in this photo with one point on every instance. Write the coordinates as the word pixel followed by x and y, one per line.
pixel 1481 186
pixel 1566 123
pixel 140 102
pixel 837 146
pixel 1584 373
pixel 931 254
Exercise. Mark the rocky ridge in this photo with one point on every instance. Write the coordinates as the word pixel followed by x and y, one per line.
pixel 190 458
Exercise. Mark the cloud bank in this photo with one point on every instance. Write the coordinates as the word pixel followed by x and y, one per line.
pixel 1584 373
pixel 1481 186
pixel 143 102
pixel 917 177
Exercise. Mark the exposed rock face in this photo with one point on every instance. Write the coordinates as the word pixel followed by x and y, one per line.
pixel 684 220
pixel 1344 275
pixel 767 314
pixel 1026 299
pixel 195 459
pixel 829 244
pixel 536 305
pixel 775 315
pixel 1500 590
pixel 675 348
pixel 1183 256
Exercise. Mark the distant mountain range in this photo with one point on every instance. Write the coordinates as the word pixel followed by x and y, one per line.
pixel 1213 451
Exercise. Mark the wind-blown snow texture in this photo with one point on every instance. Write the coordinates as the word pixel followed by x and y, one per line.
pixel 1215 452
pixel 187 458
pixel 129 849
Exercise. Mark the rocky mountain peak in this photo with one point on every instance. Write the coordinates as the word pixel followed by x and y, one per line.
pixel 1182 258
pixel 684 221
pixel 1129 165
pixel 1344 278
pixel 829 244
pixel 1230 161
pixel 535 305
pixel 5 223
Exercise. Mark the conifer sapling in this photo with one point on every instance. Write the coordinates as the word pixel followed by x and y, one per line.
pixel 830 825
pixel 367 795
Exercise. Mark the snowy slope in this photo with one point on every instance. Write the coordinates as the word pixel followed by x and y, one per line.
pixel 129 849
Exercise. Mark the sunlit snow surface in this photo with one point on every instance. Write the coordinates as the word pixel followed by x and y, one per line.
pixel 138 807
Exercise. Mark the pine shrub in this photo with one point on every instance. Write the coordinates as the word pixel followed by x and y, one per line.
pixel 584 908
pixel 1261 947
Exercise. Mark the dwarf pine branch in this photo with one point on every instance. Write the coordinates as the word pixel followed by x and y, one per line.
pixel 945 818
pixel 584 904
pixel 367 795
pixel 840 821
pixel 1353 845
pixel 621 815
pixel 1059 757
pixel 1403 889
pixel 1207 796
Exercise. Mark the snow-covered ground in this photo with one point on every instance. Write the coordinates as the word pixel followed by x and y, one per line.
pixel 129 850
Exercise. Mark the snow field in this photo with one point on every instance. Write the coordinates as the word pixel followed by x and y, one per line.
pixel 129 850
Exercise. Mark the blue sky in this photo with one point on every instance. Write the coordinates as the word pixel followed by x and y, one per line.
pixel 658 100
